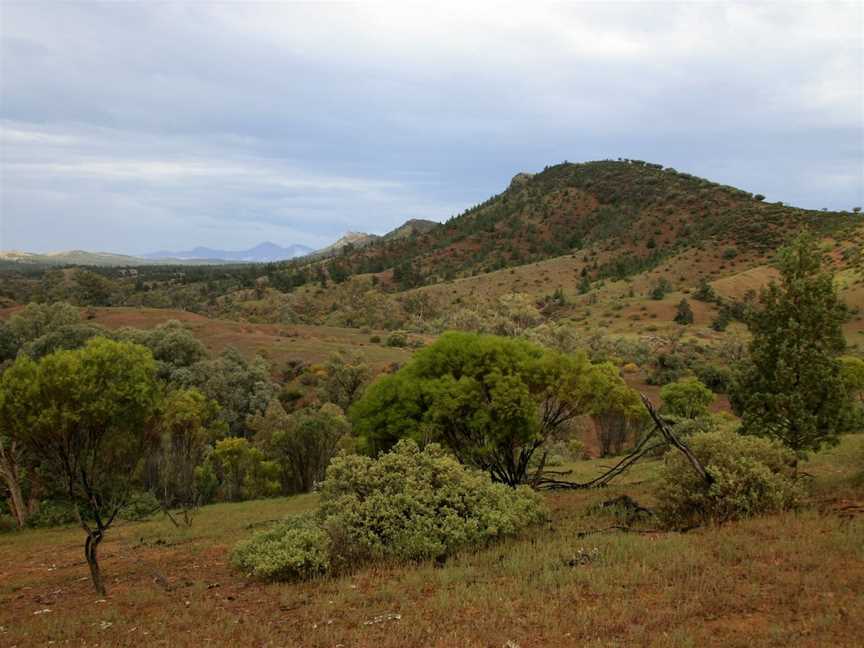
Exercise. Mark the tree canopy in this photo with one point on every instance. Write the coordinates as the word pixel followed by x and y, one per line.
pixel 492 401
pixel 688 398
pixel 792 387
pixel 86 415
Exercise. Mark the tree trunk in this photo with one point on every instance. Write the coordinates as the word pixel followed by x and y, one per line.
pixel 9 473
pixel 90 547
pixel 19 508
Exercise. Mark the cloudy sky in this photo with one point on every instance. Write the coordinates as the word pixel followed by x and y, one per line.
pixel 132 127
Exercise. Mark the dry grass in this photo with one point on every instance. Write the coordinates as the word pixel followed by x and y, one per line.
pixel 276 342
pixel 787 580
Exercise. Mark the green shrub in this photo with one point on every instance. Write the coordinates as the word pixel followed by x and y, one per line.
pixel 296 549
pixel 686 397
pixel 409 504
pixel 412 504
pixel 52 513
pixel 141 506
pixel 715 378
pixel 397 339
pixel 751 476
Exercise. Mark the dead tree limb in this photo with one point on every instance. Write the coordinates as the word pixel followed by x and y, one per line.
pixel 674 441
pixel 641 449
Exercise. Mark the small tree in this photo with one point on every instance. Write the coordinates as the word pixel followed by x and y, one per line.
pixel 659 290
pixel 187 423
pixel 618 411
pixel 705 292
pixel 347 375
pixel 792 388
pixel 687 398
pixel 584 285
pixel 244 471
pixel 683 313
pixel 85 416
pixel 307 444
pixel 492 401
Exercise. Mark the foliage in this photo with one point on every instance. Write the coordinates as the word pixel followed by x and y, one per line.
pixel 307 443
pixel 492 401
pixel 84 414
pixel 687 397
pixel 241 388
pixel 683 313
pixel 714 377
pixel 618 413
pixel 409 504
pixel 347 375
pixel 668 368
pixel 141 506
pixel 397 339
pixel 36 320
pixel 792 386
pixel 8 343
pixel 296 549
pixel 705 292
pixel 188 422
pixel 174 348
pixel 242 469
pixel 852 372
pixel 52 513
pixel 750 476
pixel 660 288
pixel 67 337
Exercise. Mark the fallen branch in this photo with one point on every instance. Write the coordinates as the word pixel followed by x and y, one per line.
pixel 641 449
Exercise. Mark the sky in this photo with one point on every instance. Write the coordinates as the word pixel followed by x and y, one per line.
pixel 132 127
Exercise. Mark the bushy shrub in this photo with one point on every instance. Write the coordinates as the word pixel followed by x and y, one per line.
pixel 52 513
pixel 714 377
pixel 141 506
pixel 296 549
pixel 413 504
pixel 397 339
pixel 750 476
pixel 409 504
pixel 686 397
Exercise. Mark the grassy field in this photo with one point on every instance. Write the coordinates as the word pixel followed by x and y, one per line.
pixel 276 342
pixel 787 580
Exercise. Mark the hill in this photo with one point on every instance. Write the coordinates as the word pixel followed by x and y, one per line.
pixel 631 213
pixel 411 227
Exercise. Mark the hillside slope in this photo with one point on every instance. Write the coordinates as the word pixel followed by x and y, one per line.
pixel 633 213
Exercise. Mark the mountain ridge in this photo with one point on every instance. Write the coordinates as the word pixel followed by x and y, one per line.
pixel 266 251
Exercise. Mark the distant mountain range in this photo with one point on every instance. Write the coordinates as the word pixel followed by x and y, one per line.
pixel 82 257
pixel 261 253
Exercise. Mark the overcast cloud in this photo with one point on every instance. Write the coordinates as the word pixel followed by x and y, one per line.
pixel 131 127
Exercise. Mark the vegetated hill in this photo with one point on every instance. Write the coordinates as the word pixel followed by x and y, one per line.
pixel 261 253
pixel 352 241
pixel 410 227
pixel 632 213
pixel 349 242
